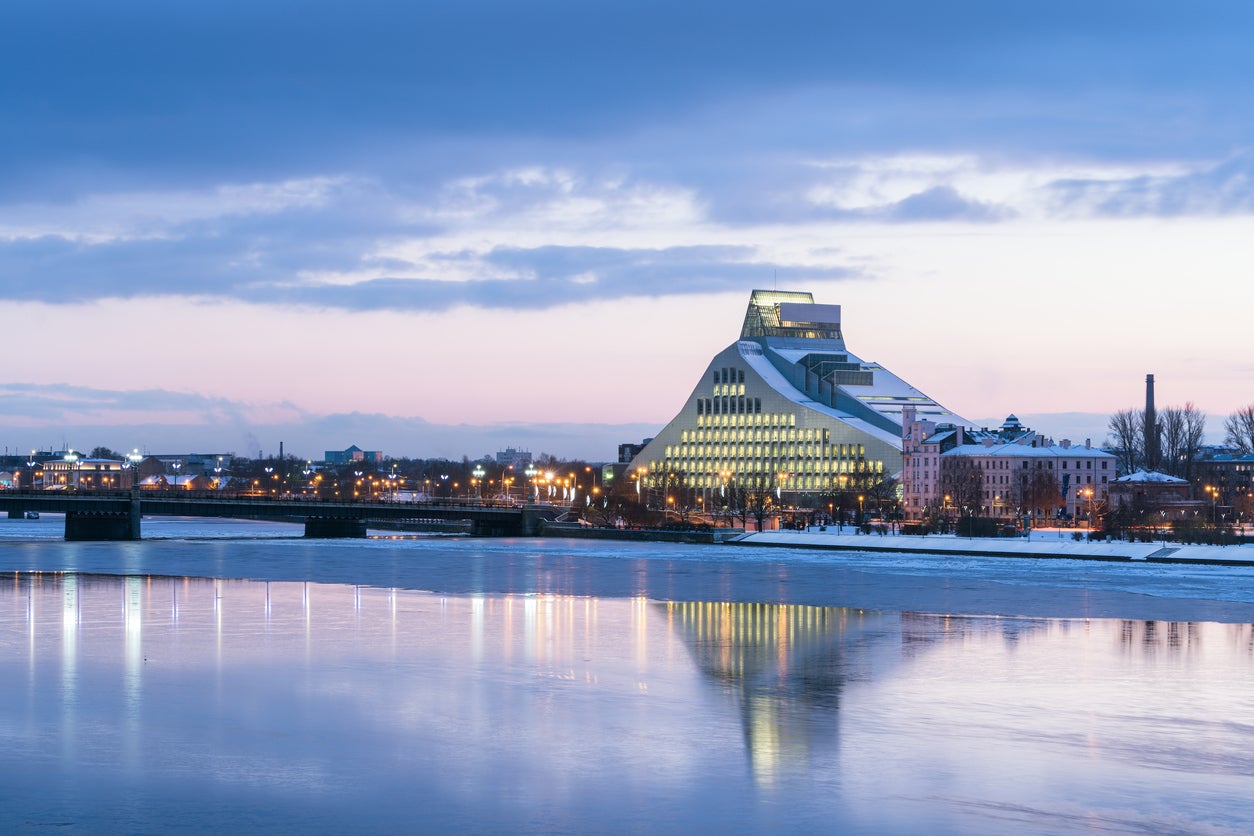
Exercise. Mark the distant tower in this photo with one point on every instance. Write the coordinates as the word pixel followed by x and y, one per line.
pixel 1151 426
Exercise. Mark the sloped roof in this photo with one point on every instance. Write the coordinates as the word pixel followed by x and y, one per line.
pixel 1027 451
pixel 751 354
pixel 1151 476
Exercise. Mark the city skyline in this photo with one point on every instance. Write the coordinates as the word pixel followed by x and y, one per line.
pixel 445 231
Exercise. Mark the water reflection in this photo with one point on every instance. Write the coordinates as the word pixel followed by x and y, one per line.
pixel 785 665
pixel 248 705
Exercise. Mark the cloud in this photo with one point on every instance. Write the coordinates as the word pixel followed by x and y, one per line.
pixel 192 94
pixel 1223 188
pixel 547 277
pixel 354 244
pixel 944 203
pixel 53 416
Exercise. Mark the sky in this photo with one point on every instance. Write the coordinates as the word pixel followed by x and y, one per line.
pixel 442 229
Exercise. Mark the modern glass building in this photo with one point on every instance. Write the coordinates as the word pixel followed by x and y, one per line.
pixel 787 405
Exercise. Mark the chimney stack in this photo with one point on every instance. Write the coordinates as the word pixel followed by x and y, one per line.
pixel 1151 426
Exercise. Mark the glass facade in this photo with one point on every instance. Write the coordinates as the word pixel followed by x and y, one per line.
pixel 772 409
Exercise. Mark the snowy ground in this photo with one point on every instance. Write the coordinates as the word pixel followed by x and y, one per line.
pixel 1042 543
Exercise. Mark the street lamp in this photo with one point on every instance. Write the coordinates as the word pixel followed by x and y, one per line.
pixel 134 458
pixel 479 473
pixel 531 477
pixel 71 458
pixel 31 466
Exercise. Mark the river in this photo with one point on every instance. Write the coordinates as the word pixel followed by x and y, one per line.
pixel 226 676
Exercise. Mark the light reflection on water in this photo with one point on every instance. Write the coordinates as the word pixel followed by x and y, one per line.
pixel 140 704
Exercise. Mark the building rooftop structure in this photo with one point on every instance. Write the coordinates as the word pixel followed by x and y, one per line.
pixel 789 404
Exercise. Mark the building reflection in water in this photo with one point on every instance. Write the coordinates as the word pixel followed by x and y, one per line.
pixel 547 674
pixel 785 665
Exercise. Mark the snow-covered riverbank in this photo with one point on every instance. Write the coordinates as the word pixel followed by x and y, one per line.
pixel 1042 543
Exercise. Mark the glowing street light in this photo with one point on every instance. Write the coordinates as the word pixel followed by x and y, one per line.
pixel 134 458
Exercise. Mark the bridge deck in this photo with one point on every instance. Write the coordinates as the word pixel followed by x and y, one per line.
pixel 491 516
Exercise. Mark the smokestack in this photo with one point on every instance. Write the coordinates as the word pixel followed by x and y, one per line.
pixel 1151 426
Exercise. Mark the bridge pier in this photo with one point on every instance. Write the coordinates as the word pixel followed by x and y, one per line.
pixel 531 520
pixel 103 525
pixel 17 515
pixel 328 527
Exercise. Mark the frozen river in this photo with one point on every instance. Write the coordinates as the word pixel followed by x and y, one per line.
pixel 269 683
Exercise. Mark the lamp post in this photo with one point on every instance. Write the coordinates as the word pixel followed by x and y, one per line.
pixel 531 474
pixel 134 458
pixel 71 459
pixel 479 473
pixel 30 464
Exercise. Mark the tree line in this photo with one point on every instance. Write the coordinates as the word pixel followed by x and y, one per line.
pixel 1179 431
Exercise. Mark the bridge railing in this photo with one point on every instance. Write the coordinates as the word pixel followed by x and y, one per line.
pixel 266 499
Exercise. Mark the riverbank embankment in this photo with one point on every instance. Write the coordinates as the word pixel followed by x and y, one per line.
pixel 1043 543
pixel 647 535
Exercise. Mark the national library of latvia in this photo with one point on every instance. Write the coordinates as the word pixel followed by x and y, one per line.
pixel 787 405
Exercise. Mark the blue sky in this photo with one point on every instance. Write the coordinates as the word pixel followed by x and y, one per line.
pixel 442 228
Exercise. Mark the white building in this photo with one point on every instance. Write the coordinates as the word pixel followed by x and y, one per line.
pixel 787 405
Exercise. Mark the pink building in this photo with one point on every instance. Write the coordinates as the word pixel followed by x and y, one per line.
pixel 1019 472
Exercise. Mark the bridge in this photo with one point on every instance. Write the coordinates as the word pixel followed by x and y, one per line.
pixel 115 515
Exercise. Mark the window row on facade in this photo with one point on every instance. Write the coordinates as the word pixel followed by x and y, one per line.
pixel 821 452
pixel 790 434
pixel 729 405
pixel 788 481
pixel 759 419
pixel 768 465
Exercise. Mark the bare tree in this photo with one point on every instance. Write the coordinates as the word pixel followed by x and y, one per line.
pixel 1239 429
pixel 1183 427
pixel 1036 492
pixel 755 497
pixel 1127 438
pixel 962 481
